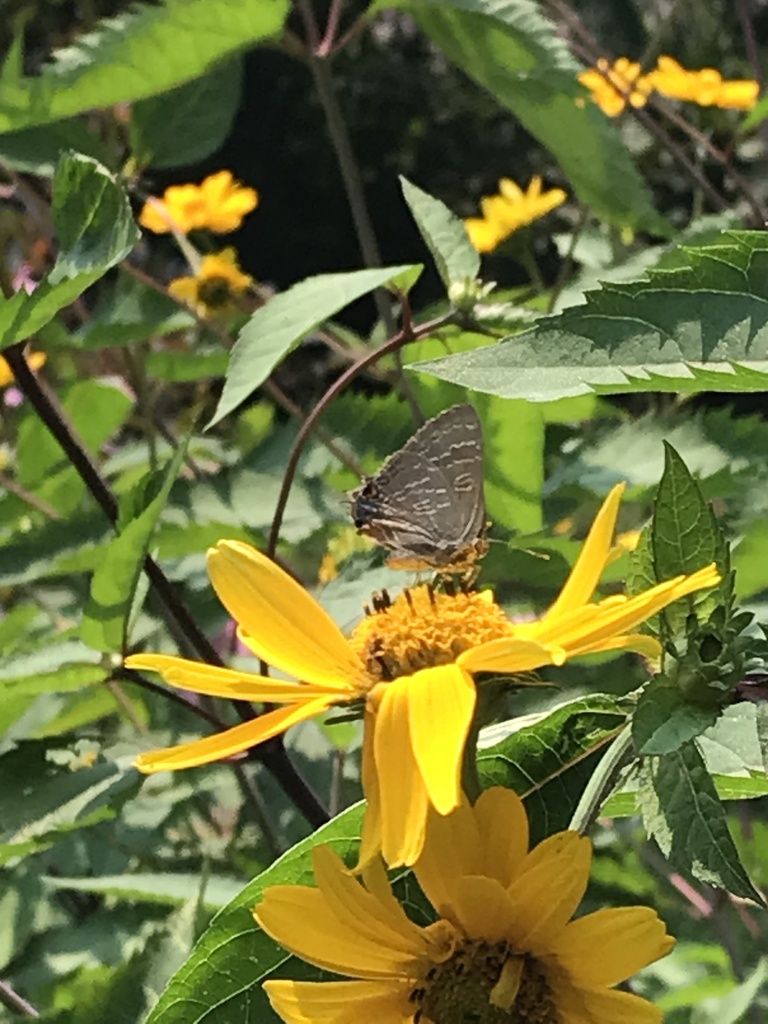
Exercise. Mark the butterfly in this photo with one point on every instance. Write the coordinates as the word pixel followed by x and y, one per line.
pixel 426 504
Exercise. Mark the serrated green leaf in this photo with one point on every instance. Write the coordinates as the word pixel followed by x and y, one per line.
pixel 274 329
pixel 444 233
pixel 96 230
pixel 682 812
pixel 698 327
pixel 221 981
pixel 663 720
pixel 113 586
pixel 188 123
pixel 142 53
pixel 548 763
pixel 510 49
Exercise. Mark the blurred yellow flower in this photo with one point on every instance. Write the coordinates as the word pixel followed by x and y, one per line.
pixel 214 289
pixel 613 86
pixel 510 210
pixel 705 87
pixel 502 945
pixel 220 203
pixel 410 665
pixel 34 359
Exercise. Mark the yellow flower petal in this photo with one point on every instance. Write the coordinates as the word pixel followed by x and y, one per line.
pixel 483 234
pixel 402 792
pixel 482 908
pixel 231 741
pixel 605 1007
pixel 226 682
pixel 510 655
pixel 338 1002
pixel 586 572
pixel 438 875
pixel 548 889
pixel 503 826
pixel 279 621
pixel 629 938
pixel 184 289
pixel 441 703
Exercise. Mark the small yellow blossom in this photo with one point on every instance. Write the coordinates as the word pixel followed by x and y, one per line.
pixel 510 210
pixel 410 664
pixel 219 204
pixel 705 86
pixel 613 86
pixel 214 289
pixel 34 360
pixel 502 945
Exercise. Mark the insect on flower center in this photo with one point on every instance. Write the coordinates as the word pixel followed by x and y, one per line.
pixel 422 628
pixel 486 983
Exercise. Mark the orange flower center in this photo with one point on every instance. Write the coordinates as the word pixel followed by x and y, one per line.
pixel 422 628
pixel 488 983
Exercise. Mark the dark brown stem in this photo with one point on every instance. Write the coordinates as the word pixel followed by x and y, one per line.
pixel 403 336
pixel 271 753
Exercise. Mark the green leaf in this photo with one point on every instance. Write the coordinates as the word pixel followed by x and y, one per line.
pixel 139 54
pixel 169 888
pixel 698 327
pixel 735 1006
pixel 186 124
pixel 507 47
pixel 446 237
pixel 114 583
pixel 549 762
pixel 279 325
pixel 682 812
pixel 221 981
pixel 38 150
pixel 96 230
pixel 664 720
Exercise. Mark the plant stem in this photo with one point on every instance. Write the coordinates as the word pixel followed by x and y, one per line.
pixel 602 780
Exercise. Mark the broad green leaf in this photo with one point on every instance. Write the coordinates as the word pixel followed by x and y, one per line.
pixel 174 366
pixel 221 981
pixel 169 888
pixel 279 325
pixel 38 150
pixel 735 1006
pixel 142 53
pixel 549 762
pixel 96 230
pixel 54 667
pixel 510 49
pixel 664 720
pixel 698 327
pixel 682 812
pixel 446 237
pixel 186 124
pixel 114 583
pixel 56 548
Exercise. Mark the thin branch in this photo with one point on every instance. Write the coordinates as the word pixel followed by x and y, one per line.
pixel 10 997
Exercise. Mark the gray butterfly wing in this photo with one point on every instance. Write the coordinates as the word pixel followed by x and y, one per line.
pixel 426 503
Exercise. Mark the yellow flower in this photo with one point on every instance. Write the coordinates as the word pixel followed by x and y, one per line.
pixel 503 946
pixel 510 210
pixel 34 359
pixel 219 204
pixel 212 291
pixel 705 87
pixel 612 87
pixel 411 663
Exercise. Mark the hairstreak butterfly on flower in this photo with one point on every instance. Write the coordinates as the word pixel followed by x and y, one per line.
pixel 426 504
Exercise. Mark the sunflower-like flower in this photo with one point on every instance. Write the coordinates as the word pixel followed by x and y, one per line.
pixel 213 291
pixel 510 210
pixel 503 946
pixel 410 664
pixel 613 86
pixel 707 87
pixel 220 203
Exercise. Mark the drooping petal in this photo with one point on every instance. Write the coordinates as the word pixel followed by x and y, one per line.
pixel 589 565
pixel 547 890
pixel 503 826
pixel 629 938
pixel 299 918
pixel 482 908
pixel 510 655
pixel 340 1002
pixel 441 703
pixel 438 874
pixel 279 620
pixel 231 741
pixel 214 681
pixel 402 791
pixel 370 836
